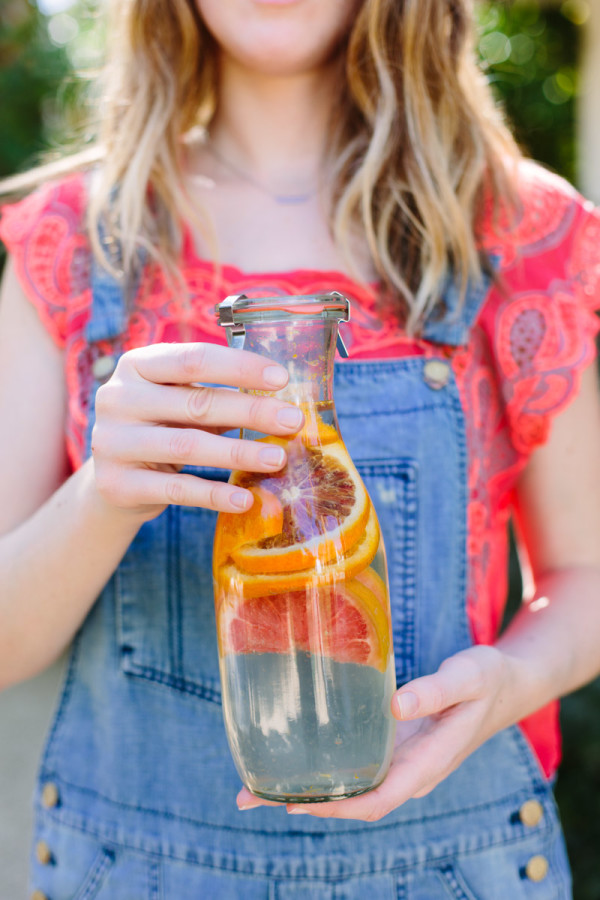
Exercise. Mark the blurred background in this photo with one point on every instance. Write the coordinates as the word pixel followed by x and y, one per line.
pixel 543 59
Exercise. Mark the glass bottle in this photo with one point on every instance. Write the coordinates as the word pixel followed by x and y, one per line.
pixel 301 589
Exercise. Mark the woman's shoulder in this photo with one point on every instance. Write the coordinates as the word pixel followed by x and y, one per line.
pixel 539 316
pixel 60 201
pixel 45 235
pixel 544 216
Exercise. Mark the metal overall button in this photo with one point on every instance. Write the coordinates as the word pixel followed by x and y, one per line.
pixel 50 795
pixel 531 813
pixel 39 895
pixel 103 367
pixel 537 868
pixel 436 373
pixel 43 853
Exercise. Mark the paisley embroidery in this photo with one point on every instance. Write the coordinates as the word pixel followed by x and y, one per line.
pixel 542 221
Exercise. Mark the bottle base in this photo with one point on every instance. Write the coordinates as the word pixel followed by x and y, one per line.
pixel 308 797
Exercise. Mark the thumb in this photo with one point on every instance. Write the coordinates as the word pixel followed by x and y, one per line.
pixel 459 678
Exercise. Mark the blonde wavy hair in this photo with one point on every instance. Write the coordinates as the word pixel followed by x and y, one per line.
pixel 416 145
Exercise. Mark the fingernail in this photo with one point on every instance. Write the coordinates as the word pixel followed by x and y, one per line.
pixel 408 704
pixel 276 376
pixel 272 455
pixel 247 805
pixel 290 417
pixel 240 499
pixel 296 812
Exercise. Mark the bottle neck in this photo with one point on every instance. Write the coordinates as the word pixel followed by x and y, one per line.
pixel 306 349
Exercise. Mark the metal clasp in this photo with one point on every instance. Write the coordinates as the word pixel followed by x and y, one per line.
pixel 236 333
pixel 341 347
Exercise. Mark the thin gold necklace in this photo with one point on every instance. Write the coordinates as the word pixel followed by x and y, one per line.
pixel 283 199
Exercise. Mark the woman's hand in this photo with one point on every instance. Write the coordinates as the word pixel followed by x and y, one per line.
pixel 442 719
pixel 152 418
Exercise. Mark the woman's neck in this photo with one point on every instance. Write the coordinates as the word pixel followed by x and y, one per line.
pixel 274 128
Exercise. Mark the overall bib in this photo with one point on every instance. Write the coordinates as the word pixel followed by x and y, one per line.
pixel 136 792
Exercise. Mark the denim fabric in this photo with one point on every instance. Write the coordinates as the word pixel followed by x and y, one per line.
pixel 138 752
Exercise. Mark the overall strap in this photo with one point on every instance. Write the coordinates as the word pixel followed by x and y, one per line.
pixel 108 314
pixel 454 324
pixel 105 327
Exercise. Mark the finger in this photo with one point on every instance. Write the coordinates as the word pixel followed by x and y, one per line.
pixel 206 406
pixel 460 678
pixel 211 363
pixel 245 800
pixel 145 487
pixel 186 446
pixel 398 787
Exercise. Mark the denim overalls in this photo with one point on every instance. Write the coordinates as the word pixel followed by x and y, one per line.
pixel 136 793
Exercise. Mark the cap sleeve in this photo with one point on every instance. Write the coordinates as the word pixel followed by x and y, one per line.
pixel 44 235
pixel 543 320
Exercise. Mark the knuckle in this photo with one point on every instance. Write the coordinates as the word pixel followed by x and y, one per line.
pixel 182 445
pixel 109 397
pixel 175 490
pixel 199 403
pixel 192 360
pixel 438 695
pixel 213 496
pixel 103 398
pixel 236 454
pixel 255 409
pixel 126 363
pixel 473 674
pixel 476 680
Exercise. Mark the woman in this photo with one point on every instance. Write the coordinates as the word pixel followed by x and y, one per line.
pixel 343 145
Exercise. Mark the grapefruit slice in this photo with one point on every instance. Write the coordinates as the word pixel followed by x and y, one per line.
pixel 359 630
pixel 375 583
pixel 263 519
pixel 325 511
pixel 346 622
pixel 233 582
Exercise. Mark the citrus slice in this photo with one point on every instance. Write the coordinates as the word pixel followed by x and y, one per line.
pixel 233 582
pixel 359 630
pixel 315 432
pixel 263 519
pixel 345 621
pixel 325 511
pixel 375 583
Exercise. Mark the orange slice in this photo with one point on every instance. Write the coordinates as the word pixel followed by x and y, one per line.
pixel 263 519
pixel 344 621
pixel 325 511
pixel 315 432
pixel 233 582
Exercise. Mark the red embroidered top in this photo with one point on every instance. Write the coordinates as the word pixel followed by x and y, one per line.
pixel 521 366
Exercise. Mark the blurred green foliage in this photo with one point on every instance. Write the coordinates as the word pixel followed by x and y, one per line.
pixel 530 54
pixel 32 70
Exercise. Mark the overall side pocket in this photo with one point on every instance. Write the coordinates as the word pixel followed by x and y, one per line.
pixel 392 486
